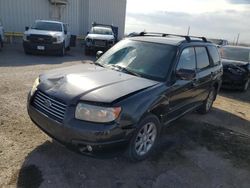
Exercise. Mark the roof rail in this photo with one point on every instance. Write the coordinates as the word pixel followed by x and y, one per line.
pixel 187 38
pixel 202 38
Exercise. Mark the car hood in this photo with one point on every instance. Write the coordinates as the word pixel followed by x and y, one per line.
pixel 234 62
pixel 42 32
pixel 100 37
pixel 89 82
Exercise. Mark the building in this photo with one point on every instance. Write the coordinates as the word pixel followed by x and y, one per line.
pixel 79 14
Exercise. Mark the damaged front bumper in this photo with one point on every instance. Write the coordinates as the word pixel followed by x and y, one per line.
pixel 235 76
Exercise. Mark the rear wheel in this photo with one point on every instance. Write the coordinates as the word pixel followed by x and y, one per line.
pixel 246 85
pixel 208 103
pixel 144 139
pixel 62 50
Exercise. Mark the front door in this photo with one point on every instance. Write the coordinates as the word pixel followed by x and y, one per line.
pixel 182 91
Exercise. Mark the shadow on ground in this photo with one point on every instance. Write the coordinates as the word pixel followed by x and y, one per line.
pixel 13 55
pixel 191 153
pixel 237 95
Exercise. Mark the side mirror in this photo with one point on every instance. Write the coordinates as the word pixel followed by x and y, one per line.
pixel 26 28
pixel 65 32
pixel 99 54
pixel 87 32
pixel 185 74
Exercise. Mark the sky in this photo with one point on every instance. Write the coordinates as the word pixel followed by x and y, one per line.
pixel 210 18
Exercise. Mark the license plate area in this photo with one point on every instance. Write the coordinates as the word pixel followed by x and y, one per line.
pixel 40 47
pixel 100 43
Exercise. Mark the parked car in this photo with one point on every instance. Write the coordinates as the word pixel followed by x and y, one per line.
pixel 46 36
pixel 124 99
pixel 100 37
pixel 1 35
pixel 219 42
pixel 235 60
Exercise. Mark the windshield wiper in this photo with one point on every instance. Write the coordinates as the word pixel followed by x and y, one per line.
pixel 99 64
pixel 124 69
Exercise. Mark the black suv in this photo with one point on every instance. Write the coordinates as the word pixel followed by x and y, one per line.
pixel 124 99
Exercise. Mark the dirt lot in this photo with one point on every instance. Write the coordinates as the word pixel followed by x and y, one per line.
pixel 211 150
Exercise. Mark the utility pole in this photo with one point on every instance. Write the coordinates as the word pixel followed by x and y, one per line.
pixel 237 39
pixel 188 30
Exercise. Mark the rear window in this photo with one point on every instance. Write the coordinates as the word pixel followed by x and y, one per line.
pixel 202 58
pixel 213 51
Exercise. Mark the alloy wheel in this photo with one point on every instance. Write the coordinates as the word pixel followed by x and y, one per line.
pixel 145 138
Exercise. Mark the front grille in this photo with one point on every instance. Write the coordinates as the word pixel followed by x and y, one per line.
pixel 49 106
pixel 101 43
pixel 41 39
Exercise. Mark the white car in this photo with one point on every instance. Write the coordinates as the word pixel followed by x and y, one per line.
pixel 46 36
pixel 1 35
pixel 100 37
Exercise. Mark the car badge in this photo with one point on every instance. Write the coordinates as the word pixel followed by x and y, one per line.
pixel 47 103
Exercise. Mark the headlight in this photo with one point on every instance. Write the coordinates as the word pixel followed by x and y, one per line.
pixel 59 38
pixel 88 40
pixel 97 114
pixel 34 87
pixel 25 37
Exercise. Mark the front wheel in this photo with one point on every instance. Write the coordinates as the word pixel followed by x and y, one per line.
pixel 144 139
pixel 87 51
pixel 1 43
pixel 27 52
pixel 62 50
pixel 208 103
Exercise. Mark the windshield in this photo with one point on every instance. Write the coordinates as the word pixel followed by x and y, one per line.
pixel 238 54
pixel 101 31
pixel 47 26
pixel 149 60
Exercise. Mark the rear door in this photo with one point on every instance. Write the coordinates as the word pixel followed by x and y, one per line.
pixel 204 74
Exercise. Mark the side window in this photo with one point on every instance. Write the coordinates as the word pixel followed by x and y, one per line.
pixel 213 51
pixel 202 58
pixel 187 60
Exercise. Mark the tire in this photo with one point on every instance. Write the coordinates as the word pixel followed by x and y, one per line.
pixel 208 103
pixel 1 43
pixel 27 52
pixel 246 85
pixel 144 139
pixel 87 51
pixel 62 51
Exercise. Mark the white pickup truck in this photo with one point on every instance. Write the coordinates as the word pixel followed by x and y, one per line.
pixel 100 37
pixel 1 35
pixel 46 36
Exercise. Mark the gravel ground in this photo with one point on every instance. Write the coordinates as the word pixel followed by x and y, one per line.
pixel 210 150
